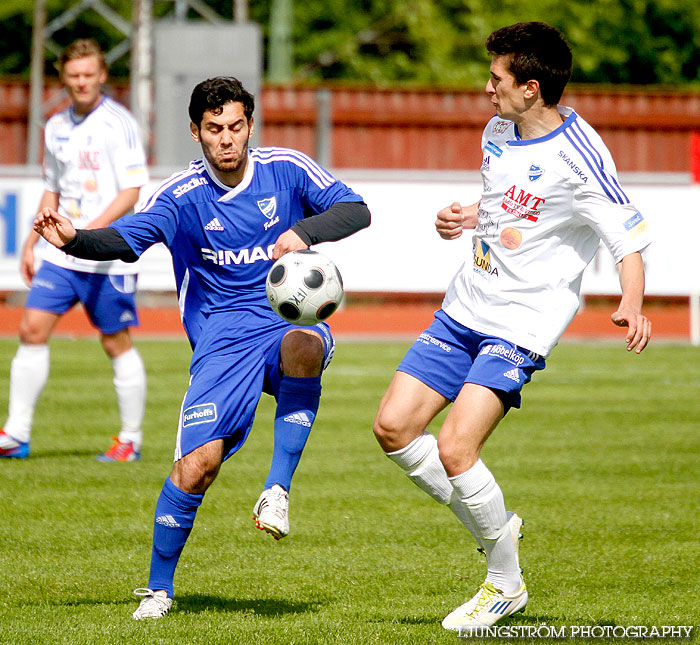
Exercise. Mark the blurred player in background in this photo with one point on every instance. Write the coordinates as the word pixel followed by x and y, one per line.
pixel 550 195
pixel 225 219
pixel 94 167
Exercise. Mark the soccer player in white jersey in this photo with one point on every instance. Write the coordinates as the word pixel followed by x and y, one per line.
pixel 94 167
pixel 550 195
pixel 225 220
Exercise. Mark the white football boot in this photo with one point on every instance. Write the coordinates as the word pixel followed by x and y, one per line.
pixel 155 604
pixel 271 511
pixel 490 605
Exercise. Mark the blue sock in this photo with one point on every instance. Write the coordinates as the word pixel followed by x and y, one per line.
pixel 174 517
pixel 297 405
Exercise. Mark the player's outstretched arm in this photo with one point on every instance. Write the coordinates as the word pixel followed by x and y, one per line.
pixel 54 228
pixel 453 219
pixel 629 313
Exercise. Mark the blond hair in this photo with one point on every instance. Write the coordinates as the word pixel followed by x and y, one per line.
pixel 81 48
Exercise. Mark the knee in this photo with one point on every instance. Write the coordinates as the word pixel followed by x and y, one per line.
pixel 302 354
pixel 31 333
pixel 456 457
pixel 116 344
pixel 388 430
pixel 194 481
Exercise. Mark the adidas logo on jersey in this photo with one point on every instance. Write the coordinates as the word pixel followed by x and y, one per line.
pixel 167 520
pixel 513 375
pixel 299 418
pixel 214 225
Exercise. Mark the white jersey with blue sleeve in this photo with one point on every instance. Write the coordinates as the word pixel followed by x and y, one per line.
pixel 221 238
pixel 546 205
pixel 88 160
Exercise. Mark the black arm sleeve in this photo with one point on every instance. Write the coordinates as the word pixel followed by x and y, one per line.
pixel 339 221
pixel 100 244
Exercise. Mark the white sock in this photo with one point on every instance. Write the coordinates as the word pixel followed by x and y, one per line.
pixel 482 499
pixel 420 460
pixel 28 375
pixel 130 386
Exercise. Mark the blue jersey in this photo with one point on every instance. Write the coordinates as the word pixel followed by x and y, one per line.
pixel 221 238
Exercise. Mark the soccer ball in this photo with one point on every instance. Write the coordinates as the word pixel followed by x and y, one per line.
pixel 304 287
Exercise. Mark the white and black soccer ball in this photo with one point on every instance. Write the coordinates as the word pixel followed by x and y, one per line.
pixel 304 287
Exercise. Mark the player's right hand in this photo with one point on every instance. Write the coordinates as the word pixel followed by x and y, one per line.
pixel 54 228
pixel 453 219
pixel 449 221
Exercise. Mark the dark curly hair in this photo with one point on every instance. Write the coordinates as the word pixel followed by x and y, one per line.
pixel 539 52
pixel 216 92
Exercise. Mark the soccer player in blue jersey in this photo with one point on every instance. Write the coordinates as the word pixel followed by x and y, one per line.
pixel 225 220
pixel 550 196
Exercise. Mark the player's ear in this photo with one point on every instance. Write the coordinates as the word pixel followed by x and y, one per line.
pixel 194 131
pixel 532 87
pixel 251 127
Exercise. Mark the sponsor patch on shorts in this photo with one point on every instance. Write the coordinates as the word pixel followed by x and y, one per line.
pixel 203 413
pixel 427 339
pixel 513 356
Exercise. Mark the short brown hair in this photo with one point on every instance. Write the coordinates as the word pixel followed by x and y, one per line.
pixel 81 48
pixel 538 51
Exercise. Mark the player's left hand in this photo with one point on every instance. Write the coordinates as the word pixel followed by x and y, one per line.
pixel 639 328
pixel 286 243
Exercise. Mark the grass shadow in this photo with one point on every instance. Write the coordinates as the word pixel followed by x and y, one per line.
pixel 196 603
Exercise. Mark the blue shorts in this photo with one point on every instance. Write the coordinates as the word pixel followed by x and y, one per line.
pixel 447 355
pixel 108 299
pixel 235 360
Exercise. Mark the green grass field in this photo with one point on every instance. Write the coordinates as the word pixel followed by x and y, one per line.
pixel 602 463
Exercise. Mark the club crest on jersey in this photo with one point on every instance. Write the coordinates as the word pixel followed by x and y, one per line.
pixel 535 172
pixel 482 258
pixel 520 203
pixel 268 207
pixel 500 127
